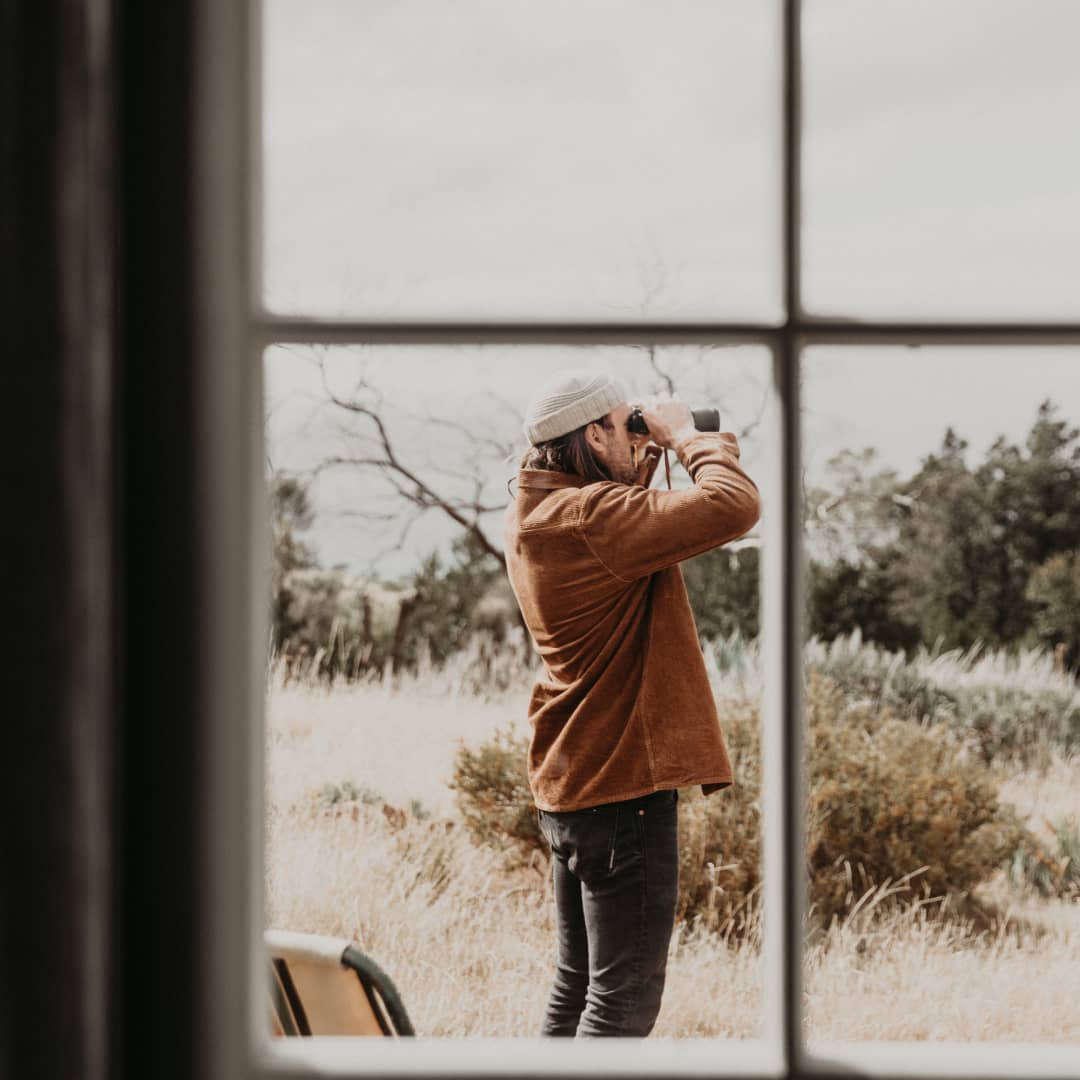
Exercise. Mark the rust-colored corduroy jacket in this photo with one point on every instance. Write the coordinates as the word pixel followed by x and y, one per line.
pixel 626 708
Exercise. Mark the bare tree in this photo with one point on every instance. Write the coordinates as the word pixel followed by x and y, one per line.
pixel 417 489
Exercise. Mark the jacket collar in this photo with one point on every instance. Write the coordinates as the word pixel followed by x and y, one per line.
pixel 547 479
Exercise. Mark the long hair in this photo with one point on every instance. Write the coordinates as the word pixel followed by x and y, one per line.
pixel 569 453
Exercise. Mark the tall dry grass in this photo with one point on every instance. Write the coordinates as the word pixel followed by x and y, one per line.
pixel 362 842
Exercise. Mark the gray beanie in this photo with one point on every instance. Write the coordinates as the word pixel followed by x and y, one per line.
pixel 569 400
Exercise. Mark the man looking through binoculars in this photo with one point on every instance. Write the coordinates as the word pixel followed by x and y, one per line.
pixel 625 716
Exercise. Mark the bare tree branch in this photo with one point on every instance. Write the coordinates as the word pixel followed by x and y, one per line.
pixel 408 484
pixel 661 374
pixel 509 406
pixel 368 515
pixel 337 459
pixel 471 434
pixel 397 545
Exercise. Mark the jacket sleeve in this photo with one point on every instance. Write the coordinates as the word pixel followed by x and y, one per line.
pixel 635 531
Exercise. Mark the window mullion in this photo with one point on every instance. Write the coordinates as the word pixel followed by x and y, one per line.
pixel 786 720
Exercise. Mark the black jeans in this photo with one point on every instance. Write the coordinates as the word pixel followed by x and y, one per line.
pixel 616 878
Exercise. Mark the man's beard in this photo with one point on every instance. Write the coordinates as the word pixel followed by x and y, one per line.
pixel 625 472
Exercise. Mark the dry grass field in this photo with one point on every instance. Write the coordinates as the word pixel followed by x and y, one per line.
pixel 362 842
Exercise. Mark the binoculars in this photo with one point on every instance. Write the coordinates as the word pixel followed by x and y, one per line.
pixel 704 420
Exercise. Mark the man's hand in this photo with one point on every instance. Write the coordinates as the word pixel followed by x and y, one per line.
pixel 646 460
pixel 668 421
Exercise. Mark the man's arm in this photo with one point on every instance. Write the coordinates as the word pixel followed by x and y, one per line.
pixel 636 531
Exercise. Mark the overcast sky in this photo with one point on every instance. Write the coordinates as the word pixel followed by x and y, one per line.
pixel 603 159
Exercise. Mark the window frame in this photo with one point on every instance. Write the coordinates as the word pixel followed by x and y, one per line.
pixel 231 322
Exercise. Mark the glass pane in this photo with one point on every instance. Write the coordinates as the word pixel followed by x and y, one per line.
pixel 400 667
pixel 502 160
pixel 941 160
pixel 943 581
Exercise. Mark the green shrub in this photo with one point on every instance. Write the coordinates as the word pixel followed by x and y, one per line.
pixel 720 836
pixel 731 655
pixel 493 796
pixel 888 798
pixel 884 680
pixel 347 791
pixel 1018 723
pixel 1049 872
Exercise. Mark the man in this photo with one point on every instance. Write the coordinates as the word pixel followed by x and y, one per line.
pixel 625 716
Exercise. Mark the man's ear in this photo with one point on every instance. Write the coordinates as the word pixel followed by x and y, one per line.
pixel 594 436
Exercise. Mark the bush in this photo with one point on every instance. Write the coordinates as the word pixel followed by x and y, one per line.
pixel 888 798
pixel 882 679
pixel 720 836
pixel 1049 873
pixel 328 624
pixel 1018 723
pixel 493 795
pixel 347 791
